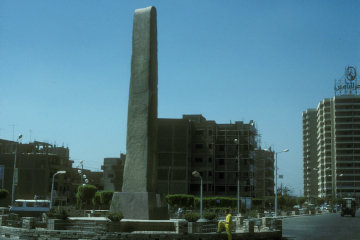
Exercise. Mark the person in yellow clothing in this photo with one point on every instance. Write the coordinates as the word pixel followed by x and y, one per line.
pixel 227 224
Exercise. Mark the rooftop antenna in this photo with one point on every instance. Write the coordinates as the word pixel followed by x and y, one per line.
pixel 30 132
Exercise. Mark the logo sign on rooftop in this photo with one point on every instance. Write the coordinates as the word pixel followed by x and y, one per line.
pixel 348 84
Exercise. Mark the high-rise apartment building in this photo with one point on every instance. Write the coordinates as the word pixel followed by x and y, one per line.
pixel 331 142
pixel 310 153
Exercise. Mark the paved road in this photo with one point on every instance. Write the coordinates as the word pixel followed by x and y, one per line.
pixel 322 227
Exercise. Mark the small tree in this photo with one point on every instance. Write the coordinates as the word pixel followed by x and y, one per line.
pixel 269 202
pixel 85 194
pixel 319 201
pixel 301 200
pixel 3 193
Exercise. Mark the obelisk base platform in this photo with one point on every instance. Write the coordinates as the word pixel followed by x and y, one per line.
pixel 140 205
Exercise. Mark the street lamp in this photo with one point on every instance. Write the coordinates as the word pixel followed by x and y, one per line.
pixel 339 175
pixel 15 172
pixel 285 150
pixel 236 141
pixel 197 174
pixel 52 186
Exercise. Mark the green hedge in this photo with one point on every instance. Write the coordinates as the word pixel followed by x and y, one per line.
pixel 209 215
pixel 106 197
pixel 96 200
pixel 180 200
pixel 103 199
pixel 85 195
pixel 217 202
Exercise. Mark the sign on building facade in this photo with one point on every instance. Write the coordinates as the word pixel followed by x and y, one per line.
pixel 348 84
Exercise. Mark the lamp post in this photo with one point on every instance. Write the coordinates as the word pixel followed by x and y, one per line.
pixel 236 141
pixel 339 175
pixel 276 205
pixel 82 176
pixel 52 186
pixel 197 174
pixel 15 173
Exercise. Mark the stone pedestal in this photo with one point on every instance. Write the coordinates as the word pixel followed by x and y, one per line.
pixel 181 226
pixel 3 220
pixel 28 222
pixel 266 221
pixel 251 226
pixel 239 222
pixel 56 224
pixel 278 224
pixel 139 205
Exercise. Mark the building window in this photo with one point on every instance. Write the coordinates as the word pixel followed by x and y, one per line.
pixel 210 146
pixel 221 148
pixel 210 159
pixel 210 174
pixel 221 161
pixel 199 132
pixel 198 160
pixel 198 146
pixel 221 175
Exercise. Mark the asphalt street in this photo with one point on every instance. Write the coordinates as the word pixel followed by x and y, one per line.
pixel 323 227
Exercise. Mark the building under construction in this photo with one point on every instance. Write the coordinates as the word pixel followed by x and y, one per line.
pixel 224 154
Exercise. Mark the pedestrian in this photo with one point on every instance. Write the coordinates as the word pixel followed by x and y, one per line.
pixel 227 224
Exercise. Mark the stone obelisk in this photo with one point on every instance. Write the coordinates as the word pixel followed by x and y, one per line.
pixel 138 199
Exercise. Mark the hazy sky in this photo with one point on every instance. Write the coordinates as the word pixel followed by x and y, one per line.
pixel 65 68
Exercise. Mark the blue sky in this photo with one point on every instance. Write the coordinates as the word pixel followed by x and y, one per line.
pixel 65 65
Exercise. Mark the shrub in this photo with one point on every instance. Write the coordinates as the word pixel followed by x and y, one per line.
pixel 58 212
pixel 3 193
pixel 210 215
pixel 115 216
pixel 192 216
pixel 253 213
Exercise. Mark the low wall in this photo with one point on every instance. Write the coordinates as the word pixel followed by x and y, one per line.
pixel 42 234
pixel 102 228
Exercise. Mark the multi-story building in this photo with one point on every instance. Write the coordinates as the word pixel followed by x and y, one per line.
pixel 335 171
pixel 37 162
pixel 310 154
pixel 220 152
pixel 113 173
pixel 264 173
